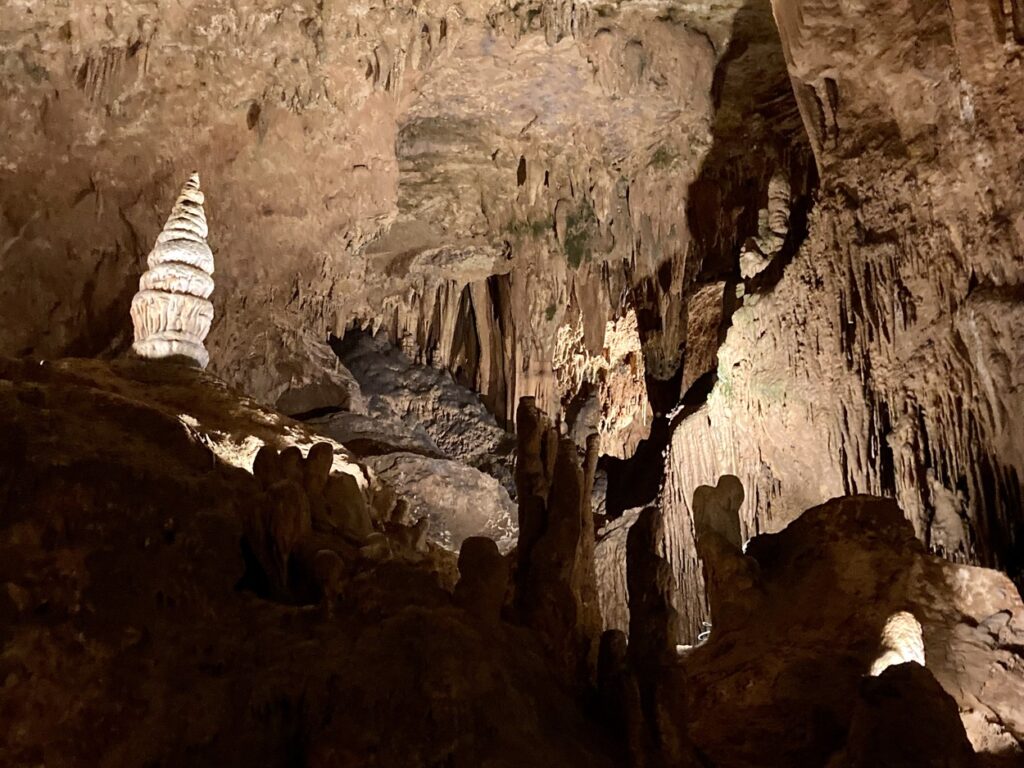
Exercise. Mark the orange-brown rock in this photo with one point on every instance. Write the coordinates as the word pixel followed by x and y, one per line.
pixel 556 591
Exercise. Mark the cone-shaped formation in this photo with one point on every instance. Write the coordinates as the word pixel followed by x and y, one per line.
pixel 172 311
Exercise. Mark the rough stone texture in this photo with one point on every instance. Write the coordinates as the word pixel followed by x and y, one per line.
pixel 610 568
pixel 377 432
pixel 901 643
pixel 829 582
pixel 459 501
pixel 612 384
pixel 905 718
pixel 172 311
pixel 426 400
pixel 483 578
pixel 732 580
pixel 886 357
pixel 141 627
pixel 653 635
pixel 233 427
pixel 705 311
pixel 127 640
pixel 299 375
pixel 469 177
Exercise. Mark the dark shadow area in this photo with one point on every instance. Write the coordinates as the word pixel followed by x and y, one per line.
pixel 757 133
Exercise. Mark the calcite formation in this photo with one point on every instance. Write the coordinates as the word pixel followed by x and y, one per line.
pixel 120 549
pixel 901 643
pixel 882 352
pixel 829 585
pixel 555 582
pixel 769 244
pixel 172 311
pixel 483 578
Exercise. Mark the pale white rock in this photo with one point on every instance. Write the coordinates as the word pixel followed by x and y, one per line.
pixel 172 312
pixel 901 643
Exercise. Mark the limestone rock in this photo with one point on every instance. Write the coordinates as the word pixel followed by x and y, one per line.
pixel 610 567
pixel 555 587
pixel 716 511
pixel 654 628
pixel 905 718
pixel 377 432
pixel 885 357
pixel 291 369
pixel 828 585
pixel 731 579
pixel 121 539
pixel 424 400
pixel 330 573
pixel 901 643
pixel 483 578
pixel 345 508
pixel 172 311
pixel 459 501
pixel 620 697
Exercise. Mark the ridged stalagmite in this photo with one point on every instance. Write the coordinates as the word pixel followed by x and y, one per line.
pixel 172 310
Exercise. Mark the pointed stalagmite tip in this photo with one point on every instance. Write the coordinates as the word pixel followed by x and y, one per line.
pixel 172 312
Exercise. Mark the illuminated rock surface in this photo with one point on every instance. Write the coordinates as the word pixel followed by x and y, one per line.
pixel 172 311
pixel 777 240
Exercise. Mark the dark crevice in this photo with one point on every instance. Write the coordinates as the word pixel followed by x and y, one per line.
pixel 757 132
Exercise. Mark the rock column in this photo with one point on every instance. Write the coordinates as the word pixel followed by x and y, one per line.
pixel 556 591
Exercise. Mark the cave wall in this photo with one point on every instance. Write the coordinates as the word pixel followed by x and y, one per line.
pixel 510 168
pixel 888 357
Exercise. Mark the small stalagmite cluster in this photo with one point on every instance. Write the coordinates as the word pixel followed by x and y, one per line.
pixel 311 527
pixel 172 311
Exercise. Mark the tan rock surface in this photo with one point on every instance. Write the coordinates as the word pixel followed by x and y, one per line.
pixel 886 358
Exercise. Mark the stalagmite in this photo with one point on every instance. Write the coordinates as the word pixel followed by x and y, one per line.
pixel 730 577
pixel 772 228
pixel 901 643
pixel 483 578
pixel 556 592
pixel 619 696
pixel 172 311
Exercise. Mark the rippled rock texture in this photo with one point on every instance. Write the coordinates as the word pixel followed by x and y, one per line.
pixel 887 358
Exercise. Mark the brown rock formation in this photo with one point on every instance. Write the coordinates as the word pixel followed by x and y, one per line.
pixel 829 583
pixel 730 579
pixel 905 718
pixel 770 243
pixel 436 193
pixel 121 609
pixel 886 358
pixel 556 591
pixel 483 578
pixel 620 699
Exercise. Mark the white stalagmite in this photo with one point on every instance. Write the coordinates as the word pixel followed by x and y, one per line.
pixel 172 310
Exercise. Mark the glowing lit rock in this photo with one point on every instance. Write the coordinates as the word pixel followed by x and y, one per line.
pixel 172 311
pixel 901 642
